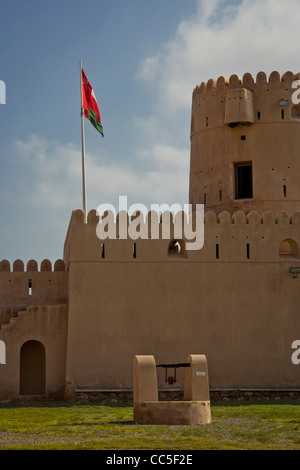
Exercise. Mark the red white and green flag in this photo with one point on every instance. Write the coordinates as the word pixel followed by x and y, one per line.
pixel 90 105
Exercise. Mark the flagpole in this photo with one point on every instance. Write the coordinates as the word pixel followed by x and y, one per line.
pixel 82 149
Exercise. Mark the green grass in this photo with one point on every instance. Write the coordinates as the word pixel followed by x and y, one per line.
pixel 111 426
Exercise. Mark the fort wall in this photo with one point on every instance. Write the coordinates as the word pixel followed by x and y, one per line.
pixel 45 325
pixel 236 300
pixel 238 308
pixel 20 287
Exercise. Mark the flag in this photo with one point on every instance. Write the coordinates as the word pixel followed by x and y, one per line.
pixel 90 105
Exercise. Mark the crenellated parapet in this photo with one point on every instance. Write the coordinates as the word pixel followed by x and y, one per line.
pixel 238 237
pixel 32 284
pixel 235 100
pixel 32 266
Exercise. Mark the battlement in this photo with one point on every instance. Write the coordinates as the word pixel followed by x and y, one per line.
pixel 32 266
pixel 237 237
pixel 218 102
pixel 282 219
pixel 20 288
pixel 247 81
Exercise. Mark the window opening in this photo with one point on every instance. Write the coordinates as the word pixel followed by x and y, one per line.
pixel 288 249
pixel 284 190
pixel 175 248
pixel 243 180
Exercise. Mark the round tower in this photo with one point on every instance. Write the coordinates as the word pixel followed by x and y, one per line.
pixel 245 144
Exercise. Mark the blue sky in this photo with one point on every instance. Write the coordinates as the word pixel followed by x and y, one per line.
pixel 143 60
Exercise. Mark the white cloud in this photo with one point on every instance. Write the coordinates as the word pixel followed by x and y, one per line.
pixel 55 181
pixel 223 38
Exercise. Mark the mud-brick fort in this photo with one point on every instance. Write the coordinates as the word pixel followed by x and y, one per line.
pixel 74 327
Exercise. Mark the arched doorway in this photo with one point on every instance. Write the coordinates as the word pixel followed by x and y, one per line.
pixel 32 368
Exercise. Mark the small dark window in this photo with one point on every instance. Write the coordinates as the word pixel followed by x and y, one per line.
pixel 204 198
pixel 284 190
pixel 243 137
pixel 243 180
pixel 206 121
pixel 220 194
pixel 29 287
pixel 248 250
pixel 134 251
pixel 258 115
pixel 217 251
pixel 282 114
pixel 102 251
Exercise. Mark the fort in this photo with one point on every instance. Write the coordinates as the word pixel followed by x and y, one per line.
pixel 72 329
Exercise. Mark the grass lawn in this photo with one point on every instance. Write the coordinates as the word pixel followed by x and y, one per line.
pixel 110 426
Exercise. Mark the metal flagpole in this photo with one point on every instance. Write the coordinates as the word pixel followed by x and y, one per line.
pixel 82 148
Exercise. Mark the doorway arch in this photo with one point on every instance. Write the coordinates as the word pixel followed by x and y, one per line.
pixel 32 368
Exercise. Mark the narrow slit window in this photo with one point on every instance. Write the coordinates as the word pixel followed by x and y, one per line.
pixel 206 121
pixel 205 198
pixel 248 250
pixel 284 190
pixel 282 114
pixel 258 115
pixel 243 180
pixel 134 251
pixel 220 195
pixel 29 287
pixel 102 251
pixel 217 251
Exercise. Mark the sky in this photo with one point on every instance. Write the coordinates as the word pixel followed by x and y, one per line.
pixel 143 60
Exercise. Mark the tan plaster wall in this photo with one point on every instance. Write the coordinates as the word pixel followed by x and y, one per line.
pixel 240 313
pixel 49 285
pixel 46 324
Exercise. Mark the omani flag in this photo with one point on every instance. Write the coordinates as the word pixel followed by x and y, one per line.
pixel 91 109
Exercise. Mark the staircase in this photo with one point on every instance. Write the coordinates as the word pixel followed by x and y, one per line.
pixel 9 316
